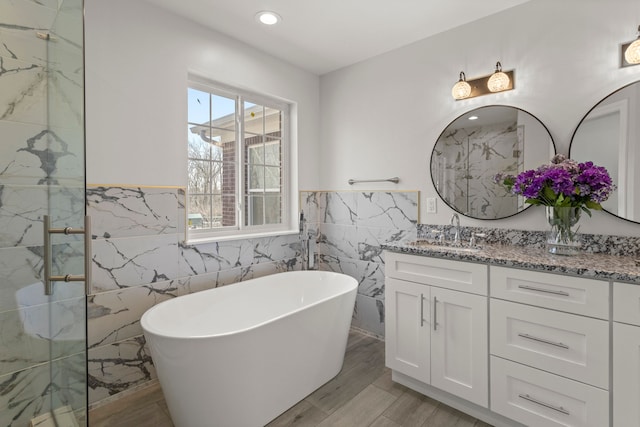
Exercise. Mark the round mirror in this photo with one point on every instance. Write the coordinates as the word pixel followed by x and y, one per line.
pixel 609 136
pixel 480 144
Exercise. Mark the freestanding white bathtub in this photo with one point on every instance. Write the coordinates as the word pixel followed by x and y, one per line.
pixel 240 355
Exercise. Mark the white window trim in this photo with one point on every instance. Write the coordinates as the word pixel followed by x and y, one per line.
pixel 288 169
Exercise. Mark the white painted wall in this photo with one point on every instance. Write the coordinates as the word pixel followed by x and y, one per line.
pixel 381 117
pixel 137 60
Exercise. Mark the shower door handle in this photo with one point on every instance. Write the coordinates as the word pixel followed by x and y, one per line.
pixel 48 278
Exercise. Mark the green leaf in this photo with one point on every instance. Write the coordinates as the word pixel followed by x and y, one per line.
pixel 549 194
pixel 593 205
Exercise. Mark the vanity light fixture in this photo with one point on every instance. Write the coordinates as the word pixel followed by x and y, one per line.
pixel 632 51
pixel 462 89
pixel 499 81
pixel 268 18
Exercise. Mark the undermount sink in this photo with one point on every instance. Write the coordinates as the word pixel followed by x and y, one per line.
pixel 444 246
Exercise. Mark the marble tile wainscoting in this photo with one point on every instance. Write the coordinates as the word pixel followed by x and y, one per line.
pixel 140 259
pixel 350 227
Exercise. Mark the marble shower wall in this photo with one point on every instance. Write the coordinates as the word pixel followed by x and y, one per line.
pixel 140 259
pixel 466 161
pixel 351 227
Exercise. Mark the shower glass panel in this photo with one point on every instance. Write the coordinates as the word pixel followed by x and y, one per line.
pixel 42 167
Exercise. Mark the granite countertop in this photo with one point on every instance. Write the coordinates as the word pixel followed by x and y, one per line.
pixel 593 265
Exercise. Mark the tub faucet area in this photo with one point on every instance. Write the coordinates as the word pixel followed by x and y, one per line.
pixel 308 242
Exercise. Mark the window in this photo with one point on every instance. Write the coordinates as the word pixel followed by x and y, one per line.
pixel 237 172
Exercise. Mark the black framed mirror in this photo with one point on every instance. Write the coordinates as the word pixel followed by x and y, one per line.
pixel 609 136
pixel 479 144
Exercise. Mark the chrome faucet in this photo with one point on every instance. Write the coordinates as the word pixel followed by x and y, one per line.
pixel 456 238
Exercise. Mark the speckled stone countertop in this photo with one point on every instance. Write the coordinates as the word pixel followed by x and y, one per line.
pixel 586 264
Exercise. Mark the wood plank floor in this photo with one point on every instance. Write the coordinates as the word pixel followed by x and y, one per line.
pixel 361 395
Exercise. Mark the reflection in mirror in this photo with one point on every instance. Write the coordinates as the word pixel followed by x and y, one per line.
pixel 479 144
pixel 609 135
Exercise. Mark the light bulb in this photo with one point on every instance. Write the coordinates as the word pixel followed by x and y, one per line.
pixel 632 54
pixel 498 81
pixel 462 89
pixel 268 17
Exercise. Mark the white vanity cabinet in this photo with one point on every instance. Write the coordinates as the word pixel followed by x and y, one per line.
pixel 549 348
pixel 436 323
pixel 626 355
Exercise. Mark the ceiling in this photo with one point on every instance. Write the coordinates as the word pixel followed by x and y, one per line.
pixel 324 35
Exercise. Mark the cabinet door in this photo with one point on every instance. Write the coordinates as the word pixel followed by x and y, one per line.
pixel 407 328
pixel 626 371
pixel 459 357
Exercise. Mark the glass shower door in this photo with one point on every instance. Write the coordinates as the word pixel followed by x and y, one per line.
pixel 42 164
pixel 66 205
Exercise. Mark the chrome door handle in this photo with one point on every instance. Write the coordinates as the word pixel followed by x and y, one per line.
pixel 545 341
pixel 546 291
pixel 546 405
pixel 48 278
pixel 421 310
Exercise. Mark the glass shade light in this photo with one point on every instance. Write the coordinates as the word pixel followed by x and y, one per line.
pixel 632 54
pixel 462 89
pixel 498 81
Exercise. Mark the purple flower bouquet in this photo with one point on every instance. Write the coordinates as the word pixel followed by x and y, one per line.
pixel 566 187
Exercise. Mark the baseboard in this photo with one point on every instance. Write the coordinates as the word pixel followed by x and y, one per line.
pixel 476 411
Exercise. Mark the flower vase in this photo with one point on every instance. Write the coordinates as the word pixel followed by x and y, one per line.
pixel 563 238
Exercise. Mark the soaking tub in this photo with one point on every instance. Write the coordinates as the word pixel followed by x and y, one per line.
pixel 240 355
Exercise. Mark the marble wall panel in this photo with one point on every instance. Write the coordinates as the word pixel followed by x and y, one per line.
pixel 21 267
pixel 117 367
pixel 276 248
pixel 351 238
pixel 370 275
pixel 368 315
pixel 338 240
pixel 21 211
pixel 312 203
pixel 30 153
pixel 339 208
pixel 31 14
pixel 21 44
pixel 392 210
pixel 133 261
pixel 134 211
pixel 23 88
pixel 24 394
pixel 115 316
pixel 211 257
pixel 29 335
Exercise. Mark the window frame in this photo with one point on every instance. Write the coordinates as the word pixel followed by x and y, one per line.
pixel 240 230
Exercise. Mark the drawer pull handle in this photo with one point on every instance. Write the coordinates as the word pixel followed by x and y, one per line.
pixel 542 340
pixel 421 310
pixel 546 405
pixel 546 291
pixel 435 311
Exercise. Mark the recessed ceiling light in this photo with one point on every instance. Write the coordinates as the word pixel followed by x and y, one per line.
pixel 473 118
pixel 268 17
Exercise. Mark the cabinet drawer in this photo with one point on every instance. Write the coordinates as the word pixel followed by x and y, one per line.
pixel 566 344
pixel 577 295
pixel 456 275
pixel 538 398
pixel 626 303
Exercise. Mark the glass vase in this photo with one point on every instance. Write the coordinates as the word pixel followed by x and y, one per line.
pixel 563 238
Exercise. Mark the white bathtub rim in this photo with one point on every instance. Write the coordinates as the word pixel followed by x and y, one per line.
pixel 154 332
